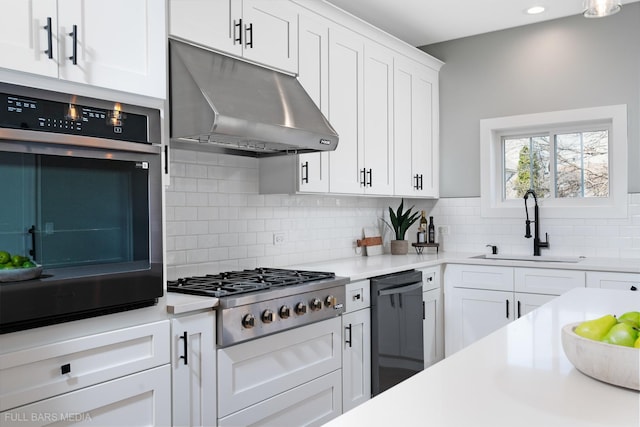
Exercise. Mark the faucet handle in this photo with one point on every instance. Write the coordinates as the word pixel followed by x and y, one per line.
pixel 527 233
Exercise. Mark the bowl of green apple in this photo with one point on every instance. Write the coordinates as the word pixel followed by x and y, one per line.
pixel 606 348
pixel 14 268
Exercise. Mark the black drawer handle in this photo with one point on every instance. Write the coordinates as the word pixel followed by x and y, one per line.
pixel 633 288
pixel 305 173
pixel 519 313
pixel 65 369
pixel 237 26
pixel 507 301
pixel 248 36
pixel 74 37
pixel 348 341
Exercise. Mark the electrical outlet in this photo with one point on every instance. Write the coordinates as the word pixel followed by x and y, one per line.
pixel 443 230
pixel 278 238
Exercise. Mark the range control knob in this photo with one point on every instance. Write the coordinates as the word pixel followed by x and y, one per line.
pixel 330 301
pixel 248 321
pixel 285 312
pixel 315 304
pixel 268 316
pixel 301 308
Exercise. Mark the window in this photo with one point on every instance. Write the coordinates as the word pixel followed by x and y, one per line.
pixel 575 160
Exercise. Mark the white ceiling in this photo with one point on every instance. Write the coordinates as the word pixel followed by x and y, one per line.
pixel 422 22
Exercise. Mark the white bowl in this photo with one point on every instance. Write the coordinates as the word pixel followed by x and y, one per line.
pixel 18 274
pixel 613 364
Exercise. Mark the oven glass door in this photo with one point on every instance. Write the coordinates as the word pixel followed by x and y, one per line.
pixel 73 211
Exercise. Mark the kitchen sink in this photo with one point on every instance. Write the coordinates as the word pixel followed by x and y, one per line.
pixel 541 258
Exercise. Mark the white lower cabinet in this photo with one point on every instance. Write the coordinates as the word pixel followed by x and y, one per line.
pixel 356 346
pixel 99 379
pixel 141 399
pixel 433 314
pixel 613 280
pixel 193 369
pixel 482 299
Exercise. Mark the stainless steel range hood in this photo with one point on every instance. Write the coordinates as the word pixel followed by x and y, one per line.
pixel 241 108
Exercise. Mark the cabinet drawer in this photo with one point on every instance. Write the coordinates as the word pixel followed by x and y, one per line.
pixel 619 281
pixel 547 281
pixel 357 296
pixel 141 399
pixel 430 279
pixel 479 277
pixel 42 372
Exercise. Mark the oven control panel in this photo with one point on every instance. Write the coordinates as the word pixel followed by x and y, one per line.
pixel 245 322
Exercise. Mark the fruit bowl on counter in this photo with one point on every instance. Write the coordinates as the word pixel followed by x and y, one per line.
pixel 19 274
pixel 614 364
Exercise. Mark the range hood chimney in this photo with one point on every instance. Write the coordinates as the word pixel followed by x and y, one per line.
pixel 241 108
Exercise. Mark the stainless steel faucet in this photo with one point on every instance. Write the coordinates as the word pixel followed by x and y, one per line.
pixel 537 244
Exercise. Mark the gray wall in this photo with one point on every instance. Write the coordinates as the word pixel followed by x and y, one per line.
pixel 556 65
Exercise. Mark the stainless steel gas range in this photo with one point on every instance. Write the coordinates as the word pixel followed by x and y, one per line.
pixel 278 344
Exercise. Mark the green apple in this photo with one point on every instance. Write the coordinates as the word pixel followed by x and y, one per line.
pixel 631 317
pixel 596 329
pixel 621 334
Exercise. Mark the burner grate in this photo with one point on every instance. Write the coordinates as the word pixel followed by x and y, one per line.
pixel 245 281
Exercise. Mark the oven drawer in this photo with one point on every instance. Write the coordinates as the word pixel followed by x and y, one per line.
pixel 255 370
pixel 42 372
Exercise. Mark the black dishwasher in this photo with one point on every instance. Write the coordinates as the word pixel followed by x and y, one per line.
pixel 397 313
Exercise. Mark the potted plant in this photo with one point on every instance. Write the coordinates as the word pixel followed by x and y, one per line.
pixel 400 223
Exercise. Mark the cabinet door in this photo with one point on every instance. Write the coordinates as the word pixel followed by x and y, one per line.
pixel 119 44
pixel 416 129
pixel 346 163
pixel 433 329
pixel 193 364
pixel 141 399
pixel 378 119
pixel 24 36
pixel 526 303
pixel 473 314
pixel 313 74
pixel 270 33
pixel 211 23
pixel 356 358
pixel 608 280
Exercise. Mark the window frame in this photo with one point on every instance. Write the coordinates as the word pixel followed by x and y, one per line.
pixel 493 130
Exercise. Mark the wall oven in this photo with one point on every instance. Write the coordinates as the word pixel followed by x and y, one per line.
pixel 81 196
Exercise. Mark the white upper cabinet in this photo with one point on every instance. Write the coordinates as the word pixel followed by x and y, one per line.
pixel 378 119
pixel 346 59
pixel 258 30
pixel 416 129
pixel 118 44
pixel 313 74
pixel 26 39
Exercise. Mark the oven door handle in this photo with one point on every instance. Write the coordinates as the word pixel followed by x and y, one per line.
pixel 400 289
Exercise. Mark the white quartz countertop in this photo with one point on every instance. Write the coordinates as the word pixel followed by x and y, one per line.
pixel 182 303
pixel 358 268
pixel 518 375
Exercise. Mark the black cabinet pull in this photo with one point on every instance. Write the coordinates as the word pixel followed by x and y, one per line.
pixel 424 311
pixel 49 50
pixel 65 369
pixel 519 313
pixel 633 288
pixel 237 25
pixel 507 301
pixel 32 251
pixel 370 173
pixel 305 173
pixel 348 341
pixel 357 296
pixel 248 36
pixel 363 177
pixel 420 182
pixel 417 184
pixel 185 347
pixel 166 159
pixel 74 36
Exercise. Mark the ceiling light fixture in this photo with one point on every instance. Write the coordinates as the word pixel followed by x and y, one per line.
pixel 601 8
pixel 535 10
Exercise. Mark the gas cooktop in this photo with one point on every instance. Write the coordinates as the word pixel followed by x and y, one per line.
pixel 245 281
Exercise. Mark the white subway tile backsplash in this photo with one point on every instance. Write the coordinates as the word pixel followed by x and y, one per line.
pixel 217 221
